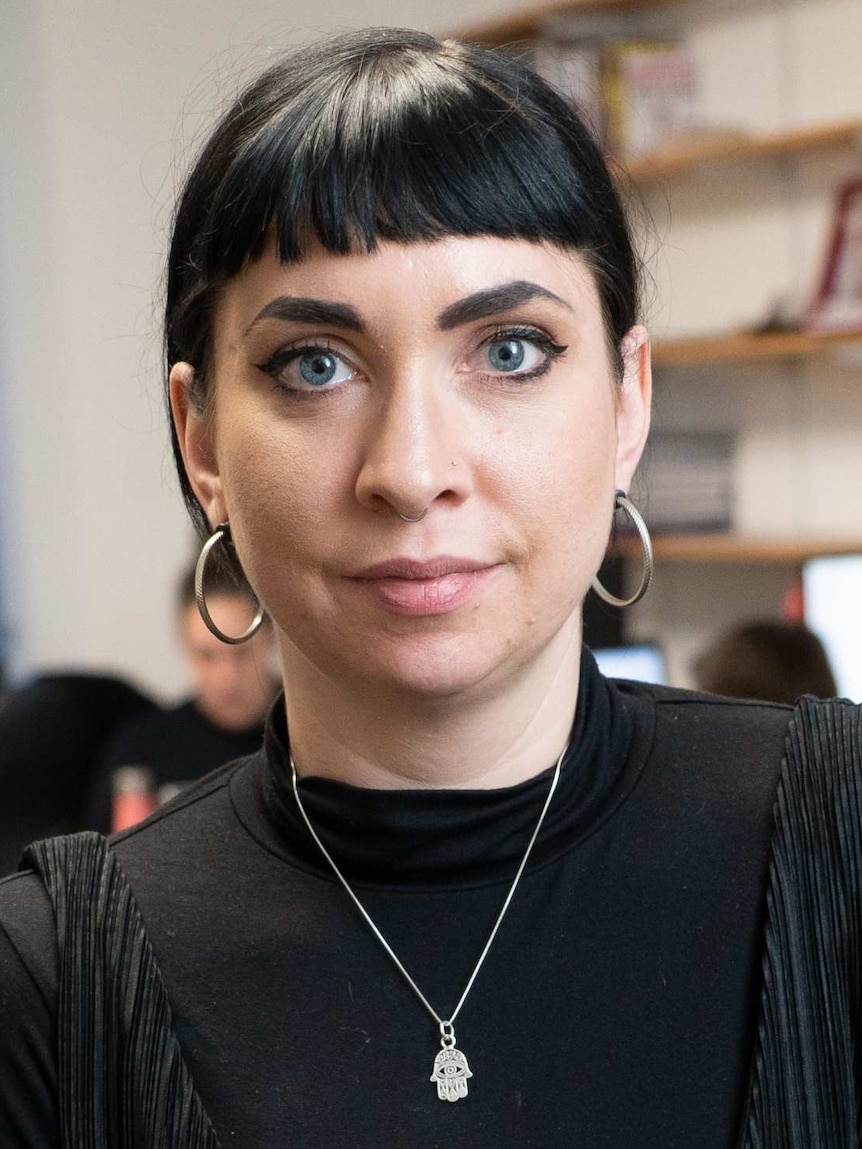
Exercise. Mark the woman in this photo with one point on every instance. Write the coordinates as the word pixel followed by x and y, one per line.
pixel 407 379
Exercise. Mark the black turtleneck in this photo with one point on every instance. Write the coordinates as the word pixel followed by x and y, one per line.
pixel 616 1007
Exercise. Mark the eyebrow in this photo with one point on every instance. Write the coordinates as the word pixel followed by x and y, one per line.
pixel 302 309
pixel 492 301
pixel 479 305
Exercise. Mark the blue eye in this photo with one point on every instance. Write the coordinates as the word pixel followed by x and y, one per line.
pixel 522 353
pixel 318 367
pixel 506 354
pixel 304 370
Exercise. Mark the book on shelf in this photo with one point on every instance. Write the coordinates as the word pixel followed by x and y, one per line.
pixel 650 89
pixel 837 303
pixel 686 481
pixel 634 94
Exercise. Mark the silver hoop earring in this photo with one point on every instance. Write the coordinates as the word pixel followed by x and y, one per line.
pixel 623 503
pixel 220 534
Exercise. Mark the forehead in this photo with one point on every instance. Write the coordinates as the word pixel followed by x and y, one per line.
pixel 410 283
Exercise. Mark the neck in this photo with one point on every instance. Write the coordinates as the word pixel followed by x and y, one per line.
pixel 482 739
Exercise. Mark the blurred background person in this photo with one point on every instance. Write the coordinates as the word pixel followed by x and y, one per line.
pixel 766 660
pixel 153 756
pixel 53 730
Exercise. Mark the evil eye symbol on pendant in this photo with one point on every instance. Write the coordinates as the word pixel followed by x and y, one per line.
pixel 450 1073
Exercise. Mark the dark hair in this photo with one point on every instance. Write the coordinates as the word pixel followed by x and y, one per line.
pixel 773 661
pixel 388 134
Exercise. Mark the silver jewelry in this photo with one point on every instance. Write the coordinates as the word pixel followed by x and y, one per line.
pixel 451 1071
pixel 623 503
pixel 413 519
pixel 221 533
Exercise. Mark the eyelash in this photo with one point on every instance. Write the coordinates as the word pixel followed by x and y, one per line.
pixel 276 364
pixel 553 351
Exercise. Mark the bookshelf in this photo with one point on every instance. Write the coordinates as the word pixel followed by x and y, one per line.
pixel 742 347
pixel 722 149
pixel 736 549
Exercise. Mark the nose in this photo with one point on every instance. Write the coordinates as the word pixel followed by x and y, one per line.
pixel 414 458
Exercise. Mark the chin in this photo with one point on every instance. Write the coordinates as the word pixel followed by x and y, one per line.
pixel 435 669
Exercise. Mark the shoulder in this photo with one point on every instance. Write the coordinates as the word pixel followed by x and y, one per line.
pixel 193 861
pixel 824 762
pixel 175 845
pixel 202 804
pixel 725 750
pixel 745 721
pixel 835 724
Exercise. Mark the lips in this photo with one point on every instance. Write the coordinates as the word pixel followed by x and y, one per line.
pixel 406 568
pixel 424 587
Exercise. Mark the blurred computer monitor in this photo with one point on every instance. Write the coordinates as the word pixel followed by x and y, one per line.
pixel 643 662
pixel 832 589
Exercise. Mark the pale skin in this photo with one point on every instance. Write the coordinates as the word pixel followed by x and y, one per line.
pixel 434 385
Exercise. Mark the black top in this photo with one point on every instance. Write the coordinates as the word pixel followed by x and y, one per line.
pixel 617 1005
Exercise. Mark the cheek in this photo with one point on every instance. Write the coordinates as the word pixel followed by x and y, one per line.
pixel 282 494
pixel 571 523
pixel 558 473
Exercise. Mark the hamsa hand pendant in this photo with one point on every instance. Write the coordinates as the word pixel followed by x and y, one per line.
pixel 451 1072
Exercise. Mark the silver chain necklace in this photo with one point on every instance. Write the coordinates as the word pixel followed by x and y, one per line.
pixel 451 1071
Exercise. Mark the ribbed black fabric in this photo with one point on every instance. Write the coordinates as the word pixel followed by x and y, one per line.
pixel 806 1090
pixel 122 1079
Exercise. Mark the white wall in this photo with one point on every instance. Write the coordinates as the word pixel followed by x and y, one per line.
pixel 101 101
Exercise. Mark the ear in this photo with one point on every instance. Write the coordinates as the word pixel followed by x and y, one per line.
pixel 194 429
pixel 633 405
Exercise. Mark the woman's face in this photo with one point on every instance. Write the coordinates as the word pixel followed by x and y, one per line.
pixel 466 380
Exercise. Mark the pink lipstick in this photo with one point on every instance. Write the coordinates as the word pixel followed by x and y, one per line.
pixel 424 587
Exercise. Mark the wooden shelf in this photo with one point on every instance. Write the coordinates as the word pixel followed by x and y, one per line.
pixel 525 23
pixel 728 548
pixel 733 149
pixel 743 347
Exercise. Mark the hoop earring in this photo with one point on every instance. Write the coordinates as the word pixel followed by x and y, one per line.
pixel 623 503
pixel 221 533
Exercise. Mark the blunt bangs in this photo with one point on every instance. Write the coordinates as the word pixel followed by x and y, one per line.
pixel 435 159
pixel 387 135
